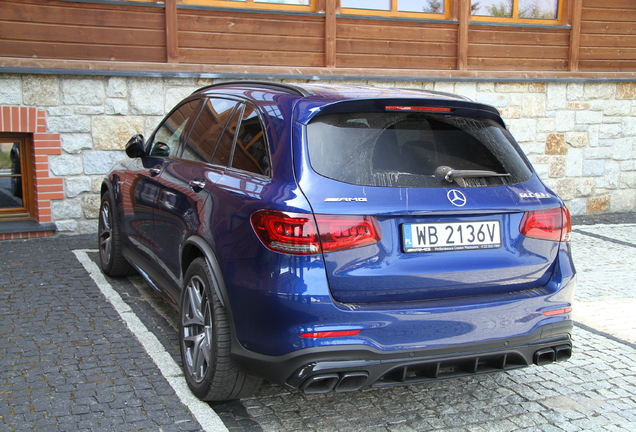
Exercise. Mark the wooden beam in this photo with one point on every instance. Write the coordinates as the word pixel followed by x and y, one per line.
pixel 89 68
pixel 454 10
pixel 575 35
pixel 462 35
pixel 172 35
pixel 331 8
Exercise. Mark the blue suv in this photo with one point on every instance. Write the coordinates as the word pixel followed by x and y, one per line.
pixel 331 237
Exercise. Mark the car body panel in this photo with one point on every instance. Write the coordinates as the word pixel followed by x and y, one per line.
pixel 181 211
pixel 140 190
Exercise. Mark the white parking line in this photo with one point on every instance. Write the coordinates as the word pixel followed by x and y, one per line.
pixel 207 418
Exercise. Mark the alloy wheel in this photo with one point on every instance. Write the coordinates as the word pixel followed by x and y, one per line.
pixel 105 233
pixel 197 329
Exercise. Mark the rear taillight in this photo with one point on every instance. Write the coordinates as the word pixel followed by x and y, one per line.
pixel 347 232
pixel 291 233
pixel 305 234
pixel 552 224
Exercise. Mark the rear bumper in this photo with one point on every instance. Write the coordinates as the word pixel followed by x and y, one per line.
pixel 271 310
pixel 349 368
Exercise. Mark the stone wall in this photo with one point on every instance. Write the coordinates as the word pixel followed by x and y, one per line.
pixel 579 136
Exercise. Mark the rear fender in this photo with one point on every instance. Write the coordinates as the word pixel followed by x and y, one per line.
pixel 213 265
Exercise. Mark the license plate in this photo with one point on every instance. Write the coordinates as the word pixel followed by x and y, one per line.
pixel 450 236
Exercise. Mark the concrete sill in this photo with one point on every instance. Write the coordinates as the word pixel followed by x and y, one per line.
pixel 25 226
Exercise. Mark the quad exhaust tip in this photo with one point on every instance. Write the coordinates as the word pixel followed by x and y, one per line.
pixel 546 356
pixel 344 382
pixel 355 380
pixel 351 381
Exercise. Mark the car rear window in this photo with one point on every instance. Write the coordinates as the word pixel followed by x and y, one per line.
pixel 413 150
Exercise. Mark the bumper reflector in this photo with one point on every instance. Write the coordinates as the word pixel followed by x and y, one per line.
pixel 329 334
pixel 557 311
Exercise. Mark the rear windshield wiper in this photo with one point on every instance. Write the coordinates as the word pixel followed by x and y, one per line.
pixel 447 174
pixel 457 174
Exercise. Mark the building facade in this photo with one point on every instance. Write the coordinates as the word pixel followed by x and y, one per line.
pixel 78 78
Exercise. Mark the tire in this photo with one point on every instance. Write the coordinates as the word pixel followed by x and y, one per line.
pixel 205 341
pixel 111 259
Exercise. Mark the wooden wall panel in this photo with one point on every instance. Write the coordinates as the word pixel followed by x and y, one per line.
pixel 517 48
pixel 81 31
pixel 136 33
pixel 239 38
pixel 608 37
pixel 395 45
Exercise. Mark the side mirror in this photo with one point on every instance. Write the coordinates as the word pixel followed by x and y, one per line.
pixel 135 147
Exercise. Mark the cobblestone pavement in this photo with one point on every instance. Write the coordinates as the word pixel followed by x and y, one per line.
pixel 69 361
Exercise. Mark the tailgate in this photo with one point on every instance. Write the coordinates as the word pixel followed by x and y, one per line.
pixel 449 188
pixel 426 255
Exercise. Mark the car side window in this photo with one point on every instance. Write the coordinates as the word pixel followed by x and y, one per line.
pixel 208 129
pixel 250 152
pixel 223 153
pixel 168 135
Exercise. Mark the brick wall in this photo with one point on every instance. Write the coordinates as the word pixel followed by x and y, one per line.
pixel 31 120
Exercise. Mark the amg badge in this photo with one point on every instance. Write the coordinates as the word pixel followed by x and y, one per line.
pixel 345 199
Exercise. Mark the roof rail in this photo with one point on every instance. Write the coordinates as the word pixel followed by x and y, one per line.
pixel 281 86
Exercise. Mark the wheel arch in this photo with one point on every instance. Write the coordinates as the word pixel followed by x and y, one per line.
pixel 107 187
pixel 196 247
pixel 110 186
pixel 113 261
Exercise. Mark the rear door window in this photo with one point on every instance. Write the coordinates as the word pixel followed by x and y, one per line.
pixel 223 153
pixel 413 150
pixel 250 152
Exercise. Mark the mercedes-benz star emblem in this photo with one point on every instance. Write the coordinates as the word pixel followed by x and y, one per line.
pixel 456 197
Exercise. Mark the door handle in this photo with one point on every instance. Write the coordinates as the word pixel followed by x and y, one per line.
pixel 197 184
pixel 155 171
